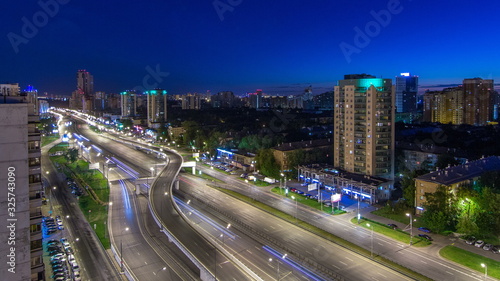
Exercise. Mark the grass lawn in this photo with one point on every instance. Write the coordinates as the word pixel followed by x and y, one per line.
pixel 48 139
pixel 396 234
pixel 301 199
pixel 202 175
pixel 97 217
pixel 471 260
pixel 399 216
pixel 324 234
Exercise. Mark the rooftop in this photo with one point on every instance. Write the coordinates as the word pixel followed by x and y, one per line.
pixel 303 144
pixel 463 172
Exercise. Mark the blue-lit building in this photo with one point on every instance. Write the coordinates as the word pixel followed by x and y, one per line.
pixel 366 188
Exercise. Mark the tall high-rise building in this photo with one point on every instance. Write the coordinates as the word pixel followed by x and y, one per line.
pixel 191 101
pixel 445 106
pixel 479 101
pixel 21 217
pixel 128 103
pixel 157 107
pixel 406 93
pixel 85 88
pixel 364 125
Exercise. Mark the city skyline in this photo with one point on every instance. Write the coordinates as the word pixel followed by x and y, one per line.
pixel 241 46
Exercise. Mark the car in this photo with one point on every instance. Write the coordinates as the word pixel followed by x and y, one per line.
pixel 470 240
pixel 56 256
pixel 487 247
pixel 479 243
pixel 293 189
pixel 496 249
pixel 77 276
pixel 75 266
pixel 425 236
pixel 391 225
pixel 54 252
pixel 424 229
pixel 300 192
pixel 54 262
pixel 68 250
pixel 65 242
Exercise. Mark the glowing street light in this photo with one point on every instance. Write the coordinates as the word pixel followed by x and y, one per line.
pixel 485 270
pixel 371 254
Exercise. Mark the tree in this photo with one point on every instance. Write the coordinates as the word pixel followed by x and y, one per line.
pixel 71 155
pixel 445 160
pixel 267 164
pixel 440 209
pixel 408 186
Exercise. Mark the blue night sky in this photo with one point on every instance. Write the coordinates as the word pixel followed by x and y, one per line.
pixel 278 46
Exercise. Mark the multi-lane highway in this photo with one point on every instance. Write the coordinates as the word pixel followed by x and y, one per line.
pixel 421 260
pixel 251 228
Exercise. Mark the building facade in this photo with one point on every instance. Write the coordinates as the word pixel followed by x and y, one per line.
pixel 128 103
pixel 445 106
pixel 157 107
pixel 364 125
pixel 478 100
pixel 406 93
pixel 452 178
pixel 21 229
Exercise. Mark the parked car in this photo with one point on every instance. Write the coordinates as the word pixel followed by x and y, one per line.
pixel 424 229
pixel 470 240
pixel 425 236
pixel 391 225
pixel 496 249
pixel 487 247
pixel 479 243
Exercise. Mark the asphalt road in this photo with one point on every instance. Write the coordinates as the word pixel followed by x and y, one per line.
pixel 301 246
pixel 423 260
pixel 94 261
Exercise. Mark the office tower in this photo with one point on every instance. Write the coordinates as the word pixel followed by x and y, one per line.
pixel 364 125
pixel 479 101
pixel 445 106
pixel 128 103
pixel 406 93
pixel 157 107
pixel 85 88
pixel 21 226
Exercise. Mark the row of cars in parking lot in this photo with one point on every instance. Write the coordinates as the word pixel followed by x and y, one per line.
pixel 471 240
pixel 75 190
pixel 51 225
pixel 62 261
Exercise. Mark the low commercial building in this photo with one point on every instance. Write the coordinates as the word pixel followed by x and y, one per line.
pixel 452 178
pixel 368 188
pixel 282 151
pixel 241 160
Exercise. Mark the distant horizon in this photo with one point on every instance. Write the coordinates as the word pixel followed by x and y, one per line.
pixel 293 89
pixel 278 46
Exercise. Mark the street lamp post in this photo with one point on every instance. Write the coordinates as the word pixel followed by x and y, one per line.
pixel 411 228
pixel 161 269
pixel 278 267
pixel 371 252
pixel 296 209
pixel 162 203
pixel 485 270
pixel 121 248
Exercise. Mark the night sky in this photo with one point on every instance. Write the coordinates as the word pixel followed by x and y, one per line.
pixel 242 45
